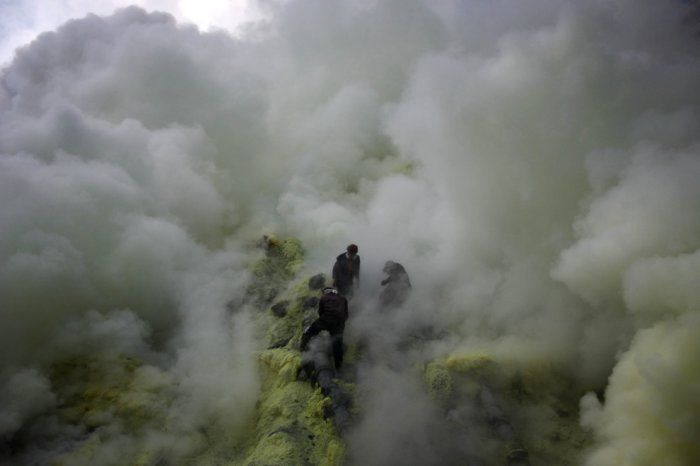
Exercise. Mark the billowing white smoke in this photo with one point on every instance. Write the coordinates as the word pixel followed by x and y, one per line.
pixel 650 414
pixel 24 20
pixel 112 222
pixel 533 166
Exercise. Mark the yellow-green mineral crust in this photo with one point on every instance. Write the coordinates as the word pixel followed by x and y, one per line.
pixel 290 428
pixel 104 391
pixel 290 425
pixel 537 401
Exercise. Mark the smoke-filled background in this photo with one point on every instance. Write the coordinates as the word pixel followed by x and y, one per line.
pixel 535 166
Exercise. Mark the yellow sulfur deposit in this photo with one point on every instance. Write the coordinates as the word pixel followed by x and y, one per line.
pixel 439 381
pixel 290 426
pixel 538 404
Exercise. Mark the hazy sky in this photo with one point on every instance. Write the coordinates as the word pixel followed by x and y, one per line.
pixel 22 20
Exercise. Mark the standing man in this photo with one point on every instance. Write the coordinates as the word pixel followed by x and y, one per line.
pixel 332 314
pixel 346 271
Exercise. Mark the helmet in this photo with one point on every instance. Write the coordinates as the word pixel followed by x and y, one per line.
pixel 330 290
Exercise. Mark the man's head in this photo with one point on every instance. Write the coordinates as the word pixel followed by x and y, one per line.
pixel 352 250
pixel 389 266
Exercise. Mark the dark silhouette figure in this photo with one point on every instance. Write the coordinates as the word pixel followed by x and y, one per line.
pixel 397 285
pixel 332 312
pixel 346 271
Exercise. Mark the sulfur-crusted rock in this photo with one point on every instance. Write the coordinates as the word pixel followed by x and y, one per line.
pixel 319 368
pixel 290 425
pixel 439 381
pixel 102 389
pixel 280 308
pixel 526 407
pixel 310 302
pixel 281 260
pixel 317 282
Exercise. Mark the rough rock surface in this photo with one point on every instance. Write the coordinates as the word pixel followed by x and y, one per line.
pixel 280 308
pixel 291 424
pixel 499 388
pixel 317 282
pixel 301 422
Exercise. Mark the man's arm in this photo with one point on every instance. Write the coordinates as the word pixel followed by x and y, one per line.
pixel 335 273
pixel 320 307
pixel 357 272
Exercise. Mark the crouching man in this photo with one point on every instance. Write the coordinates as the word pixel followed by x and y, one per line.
pixel 332 312
pixel 397 286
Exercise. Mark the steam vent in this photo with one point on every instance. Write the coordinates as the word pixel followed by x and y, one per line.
pixel 350 233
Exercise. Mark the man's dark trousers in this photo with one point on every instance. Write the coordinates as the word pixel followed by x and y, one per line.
pixel 335 329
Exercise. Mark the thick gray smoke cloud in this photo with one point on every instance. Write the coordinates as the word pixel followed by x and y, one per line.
pixel 535 167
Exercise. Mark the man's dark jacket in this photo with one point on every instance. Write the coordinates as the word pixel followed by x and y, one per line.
pixel 333 308
pixel 346 270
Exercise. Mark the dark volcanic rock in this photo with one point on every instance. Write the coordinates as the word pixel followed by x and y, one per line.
pixel 317 367
pixel 317 281
pixel 280 308
pixel 518 457
pixel 310 302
